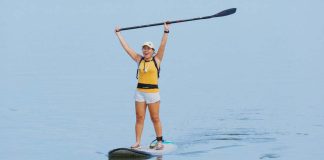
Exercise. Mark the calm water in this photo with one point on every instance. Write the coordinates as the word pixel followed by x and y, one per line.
pixel 70 120
pixel 247 86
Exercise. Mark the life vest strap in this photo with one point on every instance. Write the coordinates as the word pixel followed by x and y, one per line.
pixel 155 64
pixel 147 86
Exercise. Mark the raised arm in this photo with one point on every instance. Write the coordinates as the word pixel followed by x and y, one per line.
pixel 164 40
pixel 136 57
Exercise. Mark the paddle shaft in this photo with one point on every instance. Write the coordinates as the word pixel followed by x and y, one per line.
pixel 220 14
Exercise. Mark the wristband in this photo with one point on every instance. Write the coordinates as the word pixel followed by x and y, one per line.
pixel 166 31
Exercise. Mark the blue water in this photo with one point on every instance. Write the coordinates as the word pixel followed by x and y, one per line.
pixel 246 86
pixel 85 132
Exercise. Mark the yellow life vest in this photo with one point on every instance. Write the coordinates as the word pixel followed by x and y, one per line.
pixel 148 75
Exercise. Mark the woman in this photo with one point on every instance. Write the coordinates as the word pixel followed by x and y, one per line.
pixel 147 93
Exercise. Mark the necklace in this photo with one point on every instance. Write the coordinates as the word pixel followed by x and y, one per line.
pixel 146 67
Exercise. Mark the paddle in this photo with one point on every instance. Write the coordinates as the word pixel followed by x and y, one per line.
pixel 220 14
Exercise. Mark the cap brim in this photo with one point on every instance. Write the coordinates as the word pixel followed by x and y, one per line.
pixel 148 46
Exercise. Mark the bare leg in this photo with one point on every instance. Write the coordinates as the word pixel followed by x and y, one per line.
pixel 140 117
pixel 154 109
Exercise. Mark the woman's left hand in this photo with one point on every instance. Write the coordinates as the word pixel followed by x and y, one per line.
pixel 166 26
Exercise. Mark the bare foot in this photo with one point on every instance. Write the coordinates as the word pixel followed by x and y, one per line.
pixel 136 146
pixel 159 145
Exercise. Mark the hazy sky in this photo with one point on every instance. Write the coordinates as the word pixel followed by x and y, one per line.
pixel 269 52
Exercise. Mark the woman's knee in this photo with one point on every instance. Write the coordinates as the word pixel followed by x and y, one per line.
pixel 155 118
pixel 140 118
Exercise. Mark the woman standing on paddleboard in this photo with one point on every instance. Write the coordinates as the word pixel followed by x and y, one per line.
pixel 147 93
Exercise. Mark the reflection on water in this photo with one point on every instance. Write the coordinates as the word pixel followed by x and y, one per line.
pixel 228 146
pixel 208 138
pixel 217 135
pixel 269 156
pixel 136 158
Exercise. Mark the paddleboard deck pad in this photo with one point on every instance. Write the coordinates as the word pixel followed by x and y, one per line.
pixel 144 152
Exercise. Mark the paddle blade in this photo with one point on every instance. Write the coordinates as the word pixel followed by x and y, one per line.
pixel 225 12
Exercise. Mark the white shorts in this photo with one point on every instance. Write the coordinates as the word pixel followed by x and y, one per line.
pixel 146 97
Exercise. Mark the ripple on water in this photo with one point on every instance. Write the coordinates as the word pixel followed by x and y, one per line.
pixel 238 135
pixel 193 152
pixel 269 155
pixel 218 139
pixel 228 146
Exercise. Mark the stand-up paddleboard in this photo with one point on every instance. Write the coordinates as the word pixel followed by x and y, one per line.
pixel 144 152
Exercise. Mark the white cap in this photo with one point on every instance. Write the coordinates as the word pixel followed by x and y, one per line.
pixel 149 44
